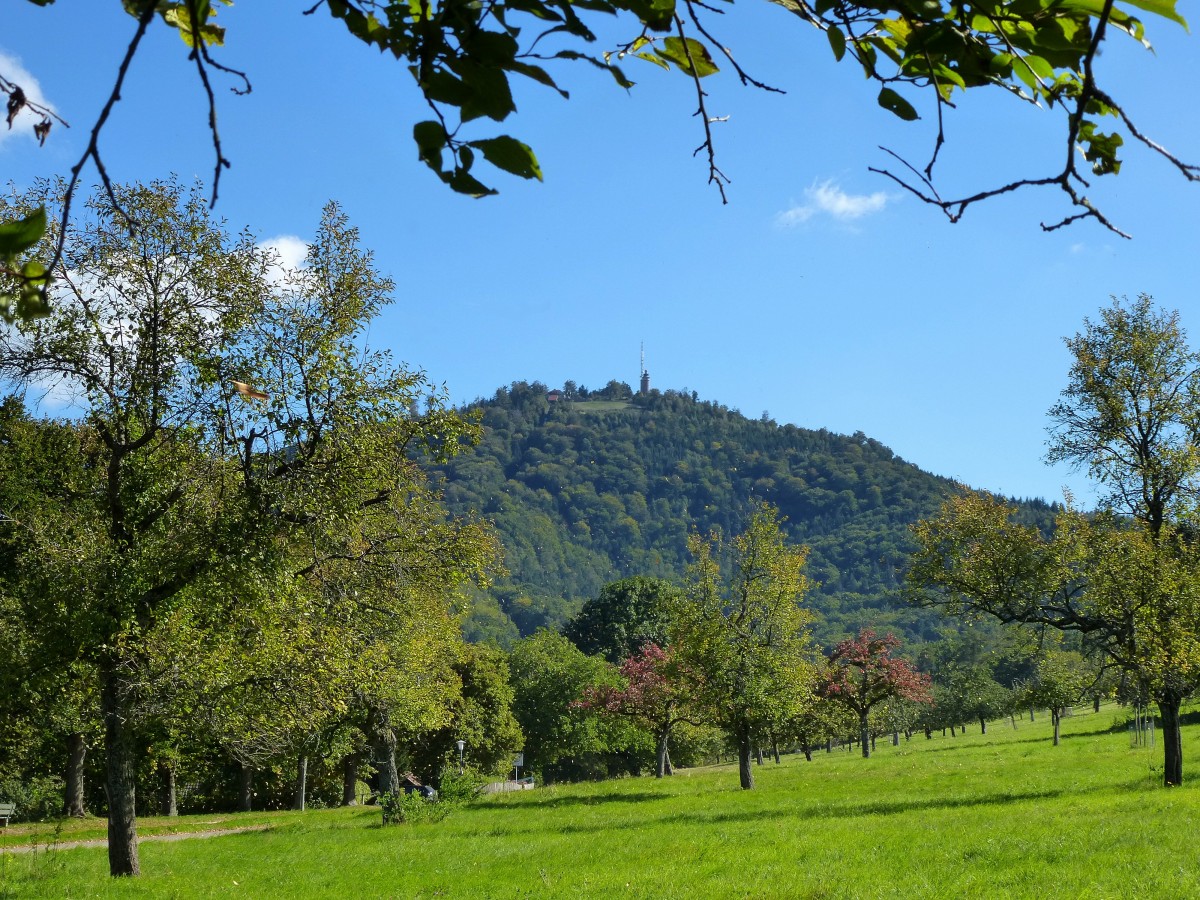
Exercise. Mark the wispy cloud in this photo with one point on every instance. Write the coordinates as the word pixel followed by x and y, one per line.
pixel 826 198
pixel 14 72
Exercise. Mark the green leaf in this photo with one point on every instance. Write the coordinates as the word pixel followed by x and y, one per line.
pixel 462 182
pixel 837 41
pixel 686 53
pixel 431 140
pixel 20 235
pixel 511 155
pixel 897 105
pixel 1164 8
pixel 650 57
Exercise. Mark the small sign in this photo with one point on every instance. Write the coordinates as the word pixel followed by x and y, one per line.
pixel 519 761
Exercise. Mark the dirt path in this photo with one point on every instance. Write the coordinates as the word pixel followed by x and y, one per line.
pixel 100 842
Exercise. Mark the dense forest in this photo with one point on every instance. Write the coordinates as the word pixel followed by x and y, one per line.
pixel 585 487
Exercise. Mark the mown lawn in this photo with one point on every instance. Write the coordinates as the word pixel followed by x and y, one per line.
pixel 1003 814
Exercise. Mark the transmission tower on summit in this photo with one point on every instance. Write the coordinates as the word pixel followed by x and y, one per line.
pixel 645 387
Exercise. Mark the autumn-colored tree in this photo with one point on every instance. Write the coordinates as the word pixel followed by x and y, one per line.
pixel 656 694
pixel 863 672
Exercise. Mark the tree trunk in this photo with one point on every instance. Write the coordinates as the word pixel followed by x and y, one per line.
pixel 758 755
pixel 951 732
pixel 660 768
pixel 383 745
pixel 670 769
pixel 350 779
pixel 73 800
pixel 1056 719
pixel 982 725
pixel 1168 708
pixel 1031 714
pixel 864 736
pixel 246 789
pixel 895 739
pixel 929 733
pixel 301 782
pixel 775 750
pixel 120 778
pixel 167 800
pixel 745 751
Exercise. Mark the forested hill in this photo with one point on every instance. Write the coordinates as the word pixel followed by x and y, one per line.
pixel 588 487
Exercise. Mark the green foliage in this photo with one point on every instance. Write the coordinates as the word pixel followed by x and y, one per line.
pixel 625 617
pixel 745 637
pixel 481 716
pixel 241 544
pixel 465 58
pixel 23 284
pixel 563 738
pixel 1127 578
pixel 401 808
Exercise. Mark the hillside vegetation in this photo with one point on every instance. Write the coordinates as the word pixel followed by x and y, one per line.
pixel 591 487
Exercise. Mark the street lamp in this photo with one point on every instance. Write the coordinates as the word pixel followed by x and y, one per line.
pixel 460 745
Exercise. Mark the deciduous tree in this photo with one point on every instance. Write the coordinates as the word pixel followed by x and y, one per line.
pixel 862 672
pixel 657 694
pixel 232 423
pixel 745 634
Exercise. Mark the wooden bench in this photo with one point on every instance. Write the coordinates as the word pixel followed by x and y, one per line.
pixel 6 812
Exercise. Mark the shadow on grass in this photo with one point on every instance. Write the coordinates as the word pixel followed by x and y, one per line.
pixel 879 807
pixel 1065 737
pixel 596 800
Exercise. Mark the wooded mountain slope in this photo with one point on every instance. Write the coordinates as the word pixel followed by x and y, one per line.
pixel 595 486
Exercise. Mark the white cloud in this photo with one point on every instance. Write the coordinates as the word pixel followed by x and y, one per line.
pixel 290 252
pixel 14 72
pixel 827 198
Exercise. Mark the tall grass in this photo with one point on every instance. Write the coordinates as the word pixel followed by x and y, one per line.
pixel 1002 814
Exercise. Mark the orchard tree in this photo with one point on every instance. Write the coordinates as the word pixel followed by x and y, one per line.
pixel 1135 597
pixel 464 57
pixel 1125 578
pixel 657 694
pixel 229 421
pixel 862 672
pixel 745 634
pixel 1059 680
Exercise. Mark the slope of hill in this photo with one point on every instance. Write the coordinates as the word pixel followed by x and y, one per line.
pixel 585 488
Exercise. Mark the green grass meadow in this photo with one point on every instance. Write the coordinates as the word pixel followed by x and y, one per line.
pixel 1001 815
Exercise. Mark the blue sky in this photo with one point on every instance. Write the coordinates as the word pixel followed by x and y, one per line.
pixel 820 293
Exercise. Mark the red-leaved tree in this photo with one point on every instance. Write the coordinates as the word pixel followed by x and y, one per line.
pixel 862 672
pixel 655 695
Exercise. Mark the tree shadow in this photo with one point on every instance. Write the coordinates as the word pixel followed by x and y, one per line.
pixel 596 800
pixel 879 807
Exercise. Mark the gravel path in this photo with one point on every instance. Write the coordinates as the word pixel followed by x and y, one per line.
pixel 178 836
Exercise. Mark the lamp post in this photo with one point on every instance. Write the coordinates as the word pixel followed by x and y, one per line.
pixel 460 745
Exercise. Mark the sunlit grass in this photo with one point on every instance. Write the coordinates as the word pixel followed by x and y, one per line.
pixel 1002 814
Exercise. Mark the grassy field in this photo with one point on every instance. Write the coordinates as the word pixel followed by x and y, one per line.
pixel 599 406
pixel 1003 815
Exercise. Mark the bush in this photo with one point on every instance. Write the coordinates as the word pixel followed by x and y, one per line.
pixel 37 800
pixel 401 807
